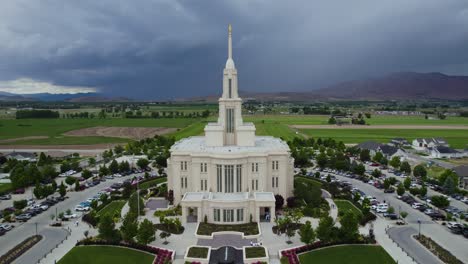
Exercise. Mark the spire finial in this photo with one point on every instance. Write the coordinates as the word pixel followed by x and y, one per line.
pixel 230 41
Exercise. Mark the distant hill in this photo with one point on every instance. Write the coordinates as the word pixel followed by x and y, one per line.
pixel 400 86
pixel 47 97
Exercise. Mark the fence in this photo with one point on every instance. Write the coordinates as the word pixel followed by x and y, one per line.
pixel 68 231
pixel 400 247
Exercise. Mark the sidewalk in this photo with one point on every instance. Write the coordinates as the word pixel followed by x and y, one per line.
pixel 333 209
pixel 77 233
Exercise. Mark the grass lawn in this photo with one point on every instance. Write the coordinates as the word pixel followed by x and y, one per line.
pixel 195 129
pixel 207 229
pixel 456 138
pixel 198 252
pixel 415 120
pixel 351 254
pixel 434 171
pixel 344 206
pixel 104 255
pixel 112 209
pixel 152 183
pixel 255 252
pixel 309 180
pixel 5 187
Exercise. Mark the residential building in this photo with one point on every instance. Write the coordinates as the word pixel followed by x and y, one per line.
pixel 462 172
pixel 229 175
pixel 442 152
pixel 424 144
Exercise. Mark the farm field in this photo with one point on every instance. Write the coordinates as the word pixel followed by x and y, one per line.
pixel 350 254
pixel 105 254
pixel 456 138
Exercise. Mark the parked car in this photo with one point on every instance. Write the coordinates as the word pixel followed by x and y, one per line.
pixel 392 216
pixel 389 190
pixel 80 208
pixel 23 217
pixel 19 191
pixel 6 227
pixel 5 197
pixel 382 208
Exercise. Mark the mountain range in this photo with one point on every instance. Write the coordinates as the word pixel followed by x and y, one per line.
pixel 396 86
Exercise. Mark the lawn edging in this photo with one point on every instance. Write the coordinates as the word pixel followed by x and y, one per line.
pixel 255 259
pixel 20 249
pixel 227 233
pixel 197 260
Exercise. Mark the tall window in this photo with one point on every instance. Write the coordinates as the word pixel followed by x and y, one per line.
pixel 228 178
pixel 240 215
pixel 219 176
pixel 183 165
pixel 239 178
pixel 273 182
pixel 230 88
pixel 274 165
pixel 254 166
pixel 229 120
pixel 217 215
pixel 228 215
pixel 203 167
pixel 256 185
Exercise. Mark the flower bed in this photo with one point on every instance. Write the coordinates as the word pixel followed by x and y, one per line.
pixel 162 255
pixel 197 252
pixel 437 250
pixel 19 249
pixel 206 229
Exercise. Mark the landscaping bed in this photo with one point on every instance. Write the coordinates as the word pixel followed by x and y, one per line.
pixel 105 254
pixel 353 254
pixel 170 228
pixel 198 252
pixel 152 183
pixel 112 209
pixel 206 229
pixel 444 255
pixel 255 252
pixel 20 249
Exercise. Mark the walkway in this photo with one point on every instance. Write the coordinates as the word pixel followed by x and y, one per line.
pixel 226 255
pixel 226 240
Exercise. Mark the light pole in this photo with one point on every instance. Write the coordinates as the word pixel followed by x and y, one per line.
pixel 138 201
pixel 419 223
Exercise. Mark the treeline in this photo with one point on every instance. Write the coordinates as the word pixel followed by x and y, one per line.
pixel 22 114
pixel 167 114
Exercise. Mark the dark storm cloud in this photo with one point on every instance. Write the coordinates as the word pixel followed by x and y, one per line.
pixel 166 49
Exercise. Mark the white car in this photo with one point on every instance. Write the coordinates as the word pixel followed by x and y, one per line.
pixel 416 205
pixel 118 175
pixel 6 227
pixel 80 208
pixel 464 200
pixel 109 177
pixel 382 208
pixel 70 216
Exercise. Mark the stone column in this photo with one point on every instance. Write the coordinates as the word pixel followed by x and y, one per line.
pixel 199 214
pixel 272 214
pixel 184 215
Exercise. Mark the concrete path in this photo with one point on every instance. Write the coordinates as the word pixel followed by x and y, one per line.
pixel 404 236
pixel 218 241
pixel 333 209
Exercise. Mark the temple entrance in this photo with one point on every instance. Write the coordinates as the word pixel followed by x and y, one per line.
pixel 226 255
pixel 192 214
pixel 265 214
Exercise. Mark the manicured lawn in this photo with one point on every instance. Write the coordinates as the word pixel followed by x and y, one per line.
pixel 309 180
pixel 352 254
pixel 104 255
pixel 198 252
pixel 435 171
pixel 195 129
pixel 207 229
pixel 152 183
pixel 456 138
pixel 255 252
pixel 113 209
pixel 5 187
pixel 344 206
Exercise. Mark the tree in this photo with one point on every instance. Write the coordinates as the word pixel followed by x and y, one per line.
pixel 118 149
pixel 103 170
pixel 94 204
pixel 440 201
pixel 407 183
pixel 420 171
pixel 324 229
pixel 395 162
pixel 423 190
pixel 384 161
pixel 129 227
pixel 20 204
pixel 449 186
pixel 328 179
pixel 142 163
pixel 405 167
pixel 386 184
pixel 165 236
pixel 322 160
pixel 403 214
pixel 146 232
pixel 70 180
pixel 62 189
pixel 360 169
pixel 378 157
pixel 307 233
pixel 77 186
pixel 400 189
pixel 114 167
pixel 448 174
pixel 376 173
pixel 290 232
pixel 364 155
pixel 349 226
pixel 106 228
pixel 92 161
pixel 366 205
pixel 86 174
pixel 279 202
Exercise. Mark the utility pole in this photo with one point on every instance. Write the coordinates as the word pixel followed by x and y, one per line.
pixel 138 201
pixel 36 228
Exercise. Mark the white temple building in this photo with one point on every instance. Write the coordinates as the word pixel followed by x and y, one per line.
pixel 229 176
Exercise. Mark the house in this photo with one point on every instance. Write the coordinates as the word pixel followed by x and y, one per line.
pixel 440 152
pixel 427 143
pixel 21 156
pixel 390 151
pixel 399 142
pixel 462 172
pixel 372 146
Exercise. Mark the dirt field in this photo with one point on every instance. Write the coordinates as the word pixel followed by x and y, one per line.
pixel 121 132
pixel 457 127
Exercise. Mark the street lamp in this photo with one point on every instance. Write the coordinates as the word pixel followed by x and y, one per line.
pixel 419 223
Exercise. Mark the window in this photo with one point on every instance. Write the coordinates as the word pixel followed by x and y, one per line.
pixel 228 178
pixel 217 215
pixel 203 167
pixel 228 215
pixel 219 176
pixel 273 182
pixel 239 178
pixel 277 162
pixel 181 182
pixel 206 185
pixel 229 120
pixel 274 165
pixel 183 165
pixel 202 185
pixel 277 182
pixel 256 167
pixel 256 185
pixel 253 167
pixel 230 88
pixel 206 167
pixel 185 182
pixel 240 215
pixel 253 185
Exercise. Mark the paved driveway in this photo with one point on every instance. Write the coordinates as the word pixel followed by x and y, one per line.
pixel 226 240
pixel 405 240
pixel 226 255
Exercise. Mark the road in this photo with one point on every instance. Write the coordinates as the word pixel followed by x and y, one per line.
pixel 456 244
pixel 52 235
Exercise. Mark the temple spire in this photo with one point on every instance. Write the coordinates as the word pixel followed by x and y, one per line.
pixel 230 42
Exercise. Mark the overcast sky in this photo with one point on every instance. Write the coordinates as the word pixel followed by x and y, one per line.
pixel 162 49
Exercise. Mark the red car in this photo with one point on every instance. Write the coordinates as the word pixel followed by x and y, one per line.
pixel 19 191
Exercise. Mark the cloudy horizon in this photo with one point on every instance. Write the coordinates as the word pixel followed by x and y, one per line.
pixel 163 49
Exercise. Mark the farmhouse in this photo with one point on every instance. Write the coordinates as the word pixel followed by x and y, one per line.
pixel 390 151
pixel 399 142
pixel 462 172
pixel 229 175
pixel 372 146
pixel 442 152
pixel 427 143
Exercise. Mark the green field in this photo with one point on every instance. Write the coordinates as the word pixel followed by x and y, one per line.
pixel 112 209
pixel 456 138
pixel 344 206
pixel 349 254
pixel 104 255
pixel 5 187
pixel 151 183
pixel 415 120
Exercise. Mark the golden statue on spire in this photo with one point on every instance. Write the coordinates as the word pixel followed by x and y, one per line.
pixel 229 28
